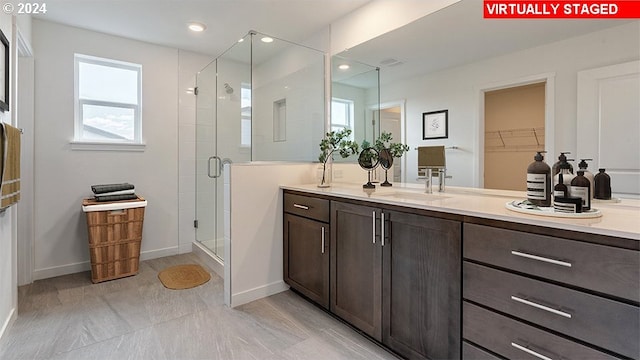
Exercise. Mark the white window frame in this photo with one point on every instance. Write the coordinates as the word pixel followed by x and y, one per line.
pixel 350 117
pixel 79 143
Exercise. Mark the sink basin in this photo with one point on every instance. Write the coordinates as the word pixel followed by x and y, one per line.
pixel 413 196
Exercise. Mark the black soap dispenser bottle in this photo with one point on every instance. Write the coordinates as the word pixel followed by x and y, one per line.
pixel 561 159
pixel 581 188
pixel 583 167
pixel 539 181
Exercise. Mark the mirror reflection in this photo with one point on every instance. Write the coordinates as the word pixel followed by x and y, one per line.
pixel 539 71
pixel 354 99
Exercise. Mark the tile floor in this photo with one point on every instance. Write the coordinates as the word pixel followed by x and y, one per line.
pixel 68 317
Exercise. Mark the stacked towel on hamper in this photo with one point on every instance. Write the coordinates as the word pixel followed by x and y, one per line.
pixel 114 192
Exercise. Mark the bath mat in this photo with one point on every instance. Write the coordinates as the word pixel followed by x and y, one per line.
pixel 183 276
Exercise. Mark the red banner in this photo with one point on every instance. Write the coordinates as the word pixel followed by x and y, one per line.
pixel 522 9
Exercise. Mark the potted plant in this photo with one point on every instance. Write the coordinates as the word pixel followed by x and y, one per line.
pixel 332 142
pixel 388 150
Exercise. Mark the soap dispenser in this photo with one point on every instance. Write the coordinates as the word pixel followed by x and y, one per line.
pixel 580 187
pixel 561 159
pixel 583 167
pixel 567 175
pixel 539 181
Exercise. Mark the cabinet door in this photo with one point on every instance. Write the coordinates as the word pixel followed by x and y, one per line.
pixel 356 259
pixel 421 286
pixel 306 257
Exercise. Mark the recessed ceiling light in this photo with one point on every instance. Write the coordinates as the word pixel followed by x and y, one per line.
pixel 197 27
pixel 241 40
pixel 344 67
pixel 267 39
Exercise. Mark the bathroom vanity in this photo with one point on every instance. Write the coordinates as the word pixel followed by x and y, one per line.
pixel 457 275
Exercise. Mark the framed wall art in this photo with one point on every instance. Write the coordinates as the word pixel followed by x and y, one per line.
pixel 435 125
pixel 4 73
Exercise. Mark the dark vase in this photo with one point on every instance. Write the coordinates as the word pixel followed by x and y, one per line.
pixel 602 185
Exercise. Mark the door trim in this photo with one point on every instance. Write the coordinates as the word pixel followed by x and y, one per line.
pixel 549 116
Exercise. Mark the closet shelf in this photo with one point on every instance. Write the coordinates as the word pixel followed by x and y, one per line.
pixel 525 139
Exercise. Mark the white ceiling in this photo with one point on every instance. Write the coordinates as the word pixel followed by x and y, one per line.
pixel 451 37
pixel 164 22
pixel 458 35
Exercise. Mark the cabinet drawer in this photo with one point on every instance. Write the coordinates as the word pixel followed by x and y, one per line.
pixel 515 340
pixel 609 324
pixel 605 269
pixel 470 352
pixel 306 206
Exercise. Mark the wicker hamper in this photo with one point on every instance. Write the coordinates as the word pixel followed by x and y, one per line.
pixel 115 234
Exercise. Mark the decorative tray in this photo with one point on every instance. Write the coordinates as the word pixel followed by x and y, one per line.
pixel 524 206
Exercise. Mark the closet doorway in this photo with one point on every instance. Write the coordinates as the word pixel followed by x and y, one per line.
pixel 514 129
pixel 392 121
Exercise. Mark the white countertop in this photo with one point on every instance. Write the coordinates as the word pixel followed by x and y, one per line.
pixel 620 219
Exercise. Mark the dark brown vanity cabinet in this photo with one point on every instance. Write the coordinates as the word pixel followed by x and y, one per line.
pixel 306 246
pixel 529 295
pixel 396 276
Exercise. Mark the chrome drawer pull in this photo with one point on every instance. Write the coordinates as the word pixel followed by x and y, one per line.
pixel 301 206
pixel 323 239
pixel 540 258
pixel 373 217
pixel 382 228
pixel 530 352
pixel 541 307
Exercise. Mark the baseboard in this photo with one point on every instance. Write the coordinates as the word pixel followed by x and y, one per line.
pixel 211 260
pixel 154 254
pixel 7 323
pixel 185 248
pixel 260 292
pixel 39 274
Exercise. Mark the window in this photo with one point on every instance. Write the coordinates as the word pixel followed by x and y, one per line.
pixel 342 115
pixel 245 119
pixel 107 101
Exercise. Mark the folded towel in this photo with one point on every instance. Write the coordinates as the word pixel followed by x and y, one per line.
pixel 121 192
pixel 431 156
pixel 105 188
pixel 9 165
pixel 116 197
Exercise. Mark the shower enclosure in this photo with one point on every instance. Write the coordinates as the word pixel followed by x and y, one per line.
pixel 261 100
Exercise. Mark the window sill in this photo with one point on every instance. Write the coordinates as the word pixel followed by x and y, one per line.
pixel 105 146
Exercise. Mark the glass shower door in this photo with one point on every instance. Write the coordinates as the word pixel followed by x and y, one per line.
pixel 223 136
pixel 207 171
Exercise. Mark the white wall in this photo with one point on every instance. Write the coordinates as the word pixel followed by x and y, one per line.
pixel 8 218
pixel 63 176
pixel 296 75
pixel 256 256
pixel 458 90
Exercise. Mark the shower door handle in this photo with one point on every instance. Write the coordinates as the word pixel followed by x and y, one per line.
pixel 217 175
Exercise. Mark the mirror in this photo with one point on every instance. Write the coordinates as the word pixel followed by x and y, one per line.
pixel 447 59
pixel 368 160
pixel 386 161
pixel 355 99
